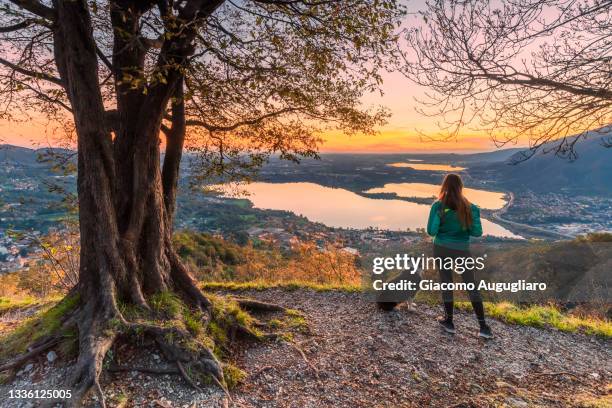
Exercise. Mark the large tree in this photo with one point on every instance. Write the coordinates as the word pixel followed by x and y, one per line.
pixel 536 70
pixel 238 79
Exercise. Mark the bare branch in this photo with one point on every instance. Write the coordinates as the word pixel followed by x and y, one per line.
pixel 35 7
pixel 535 70
pixel 30 73
pixel 16 27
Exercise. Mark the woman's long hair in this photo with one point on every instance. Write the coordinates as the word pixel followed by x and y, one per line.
pixel 451 196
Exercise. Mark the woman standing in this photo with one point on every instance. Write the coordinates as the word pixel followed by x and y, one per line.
pixel 452 221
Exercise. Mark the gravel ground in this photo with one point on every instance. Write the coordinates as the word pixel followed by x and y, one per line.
pixel 357 356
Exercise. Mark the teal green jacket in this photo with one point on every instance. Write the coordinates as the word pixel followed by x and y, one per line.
pixel 447 229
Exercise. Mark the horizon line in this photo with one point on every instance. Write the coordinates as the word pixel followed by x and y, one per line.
pixel 322 152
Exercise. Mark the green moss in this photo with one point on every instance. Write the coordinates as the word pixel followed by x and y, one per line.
pixel 167 304
pixel 294 313
pixel 10 304
pixel 45 323
pixel 227 313
pixel 130 311
pixel 275 324
pixel 297 322
pixel 69 346
pixel 286 285
pixel 217 333
pixel 233 375
pixel 226 317
pixel 193 322
pixel 292 319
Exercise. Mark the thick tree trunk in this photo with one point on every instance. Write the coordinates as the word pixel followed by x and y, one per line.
pixel 126 199
pixel 101 265
pixel 125 203
pixel 75 53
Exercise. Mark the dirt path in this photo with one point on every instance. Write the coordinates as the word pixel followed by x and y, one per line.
pixel 357 356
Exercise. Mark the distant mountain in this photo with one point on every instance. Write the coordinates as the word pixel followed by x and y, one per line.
pixel 589 173
pixel 16 154
pixel 29 157
pixel 500 155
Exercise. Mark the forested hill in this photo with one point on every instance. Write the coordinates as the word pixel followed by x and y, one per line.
pixel 10 154
pixel 588 174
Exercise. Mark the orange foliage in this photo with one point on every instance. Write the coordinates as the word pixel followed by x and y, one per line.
pixel 305 263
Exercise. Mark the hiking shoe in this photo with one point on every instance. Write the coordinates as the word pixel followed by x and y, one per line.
pixel 485 332
pixel 447 325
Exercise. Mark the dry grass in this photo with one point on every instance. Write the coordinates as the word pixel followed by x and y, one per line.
pixel 545 316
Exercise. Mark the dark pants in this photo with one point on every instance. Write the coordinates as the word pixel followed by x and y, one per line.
pixel 446 276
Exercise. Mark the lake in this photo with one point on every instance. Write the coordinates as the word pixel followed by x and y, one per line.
pixel 336 207
pixel 426 166
pixel 484 199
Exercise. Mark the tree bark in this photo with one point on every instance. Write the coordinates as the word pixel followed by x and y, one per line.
pixel 175 139
pixel 125 202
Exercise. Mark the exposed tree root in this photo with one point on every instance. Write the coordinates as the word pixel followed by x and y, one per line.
pixel 37 350
pixel 146 370
pixel 223 387
pixel 308 363
pixel 187 353
pixel 100 393
pixel 95 339
pixel 184 374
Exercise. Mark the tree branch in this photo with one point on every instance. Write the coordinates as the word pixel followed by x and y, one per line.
pixel 175 139
pixel 36 7
pixel 215 128
pixel 549 83
pixel 46 97
pixel 33 74
pixel 104 58
pixel 18 26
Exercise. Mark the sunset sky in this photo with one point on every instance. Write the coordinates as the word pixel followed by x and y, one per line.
pixel 400 134
pixel 403 131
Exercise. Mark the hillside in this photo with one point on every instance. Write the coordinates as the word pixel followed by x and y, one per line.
pixel 335 347
pixel 353 355
pixel 575 271
pixel 588 174
pixel 544 172
pixel 498 155
pixel 24 156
